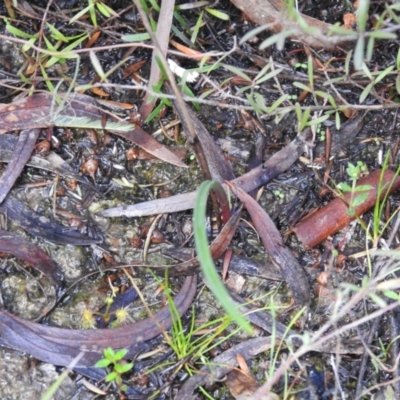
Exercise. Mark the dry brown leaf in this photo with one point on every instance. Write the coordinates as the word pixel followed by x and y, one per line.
pixel 349 21
pixel 99 92
pixel 243 387
pixel 196 55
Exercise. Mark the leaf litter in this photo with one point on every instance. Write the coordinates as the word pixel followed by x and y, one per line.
pixel 58 345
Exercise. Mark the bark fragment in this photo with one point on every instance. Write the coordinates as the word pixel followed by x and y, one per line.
pixel 333 217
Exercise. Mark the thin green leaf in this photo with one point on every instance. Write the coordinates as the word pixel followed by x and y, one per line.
pixel 254 32
pixel 145 7
pixel 80 13
pixel 311 30
pixel 29 44
pixel 334 80
pixel 341 31
pixel 49 84
pixel 217 14
pixel 383 35
pixel 96 65
pixel 367 71
pixel 305 118
pixel 277 103
pixel 191 6
pixel 359 53
pixel 105 10
pixel 253 103
pixel 378 300
pixel 244 89
pixel 398 83
pixel 337 120
pixel 196 28
pixel 84 122
pixel 392 14
pixel 268 76
pixel 205 94
pixel 263 71
pixel 92 12
pixel 319 93
pixel 347 62
pixel 302 86
pixel 370 48
pixel 156 111
pixel 298 111
pixel 398 60
pixel 17 32
pixel 278 39
pixel 384 73
pixel 391 294
pixel 362 14
pixel 318 120
pixel 204 255
pixel 181 36
pixel 332 101
pixel 136 37
pixel 366 92
pixel 310 71
pixel 237 71
pixel 83 88
pixel 260 100
pixel 25 79
pixel 155 5
pixel 209 68
pixel 188 92
pixel 56 34
pixel 51 391
pixel 74 44
pixel 49 45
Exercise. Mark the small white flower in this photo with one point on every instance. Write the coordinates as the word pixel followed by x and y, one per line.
pixel 179 71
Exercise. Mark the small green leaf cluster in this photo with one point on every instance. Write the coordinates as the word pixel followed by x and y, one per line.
pixel 279 194
pixel 55 35
pixel 103 8
pixel 56 42
pixel 354 172
pixel 114 359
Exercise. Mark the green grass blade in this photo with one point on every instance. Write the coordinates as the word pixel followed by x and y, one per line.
pixel 204 254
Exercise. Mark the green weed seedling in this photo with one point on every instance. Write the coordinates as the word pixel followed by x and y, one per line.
pixel 55 41
pixel 356 198
pixel 102 7
pixel 114 360
pixel 354 172
pixel 192 344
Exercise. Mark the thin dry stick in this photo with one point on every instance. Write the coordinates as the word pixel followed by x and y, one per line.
pixel 163 30
pixel 148 237
pixel 171 78
pixel 365 358
pixel 146 306
pixel 99 49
